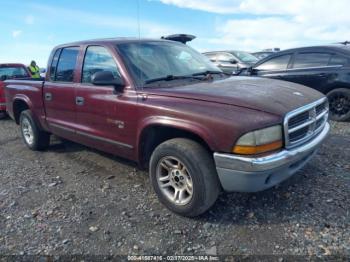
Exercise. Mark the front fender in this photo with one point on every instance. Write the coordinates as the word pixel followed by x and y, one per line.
pixel 197 129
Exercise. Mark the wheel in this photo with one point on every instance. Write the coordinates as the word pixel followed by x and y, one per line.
pixel 339 104
pixel 184 177
pixel 33 137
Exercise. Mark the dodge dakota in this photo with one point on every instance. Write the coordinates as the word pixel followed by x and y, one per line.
pixel 165 106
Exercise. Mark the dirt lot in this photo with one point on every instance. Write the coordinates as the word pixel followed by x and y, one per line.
pixel 75 200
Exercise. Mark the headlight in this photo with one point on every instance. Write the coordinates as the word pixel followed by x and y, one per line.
pixel 259 141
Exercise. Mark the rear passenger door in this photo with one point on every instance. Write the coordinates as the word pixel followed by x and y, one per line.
pixel 59 92
pixel 312 69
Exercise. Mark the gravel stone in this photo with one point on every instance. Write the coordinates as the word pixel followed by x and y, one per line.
pixel 99 204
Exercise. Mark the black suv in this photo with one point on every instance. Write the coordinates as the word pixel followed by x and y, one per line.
pixel 324 68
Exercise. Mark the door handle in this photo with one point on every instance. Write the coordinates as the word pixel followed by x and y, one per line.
pixel 322 75
pixel 48 96
pixel 79 100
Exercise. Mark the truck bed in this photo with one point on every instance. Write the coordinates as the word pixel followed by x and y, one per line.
pixel 31 91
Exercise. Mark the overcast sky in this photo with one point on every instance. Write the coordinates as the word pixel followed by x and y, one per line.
pixel 30 29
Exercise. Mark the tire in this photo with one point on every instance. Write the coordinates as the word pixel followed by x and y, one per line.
pixel 186 166
pixel 339 104
pixel 3 115
pixel 33 137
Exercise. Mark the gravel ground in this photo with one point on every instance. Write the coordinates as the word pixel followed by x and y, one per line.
pixel 75 200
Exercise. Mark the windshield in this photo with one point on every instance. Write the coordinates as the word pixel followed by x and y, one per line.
pixel 245 57
pixel 157 59
pixel 11 72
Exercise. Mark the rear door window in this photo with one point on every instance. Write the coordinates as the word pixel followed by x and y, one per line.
pixel 338 60
pixel 54 64
pixel 305 60
pixel 97 59
pixel 223 57
pixel 276 63
pixel 67 64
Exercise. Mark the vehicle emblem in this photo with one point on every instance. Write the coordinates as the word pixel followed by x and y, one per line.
pixel 298 94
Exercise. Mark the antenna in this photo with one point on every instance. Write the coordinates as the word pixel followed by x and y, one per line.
pixel 138 18
pixel 139 29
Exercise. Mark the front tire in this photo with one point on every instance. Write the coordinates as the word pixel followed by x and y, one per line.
pixel 33 137
pixel 339 104
pixel 184 177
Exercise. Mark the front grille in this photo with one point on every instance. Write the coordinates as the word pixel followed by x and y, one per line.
pixel 305 123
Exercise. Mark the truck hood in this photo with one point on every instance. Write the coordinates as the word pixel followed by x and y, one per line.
pixel 262 94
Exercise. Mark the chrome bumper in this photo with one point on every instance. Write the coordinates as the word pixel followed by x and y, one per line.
pixel 247 174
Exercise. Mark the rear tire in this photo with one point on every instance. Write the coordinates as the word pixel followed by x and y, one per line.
pixel 3 115
pixel 184 177
pixel 339 104
pixel 33 137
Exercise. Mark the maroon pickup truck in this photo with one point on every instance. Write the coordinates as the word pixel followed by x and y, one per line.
pixel 165 106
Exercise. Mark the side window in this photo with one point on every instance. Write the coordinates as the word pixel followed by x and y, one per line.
pixel 97 58
pixel 338 60
pixel 225 57
pixel 211 57
pixel 66 64
pixel 304 60
pixel 276 63
pixel 54 64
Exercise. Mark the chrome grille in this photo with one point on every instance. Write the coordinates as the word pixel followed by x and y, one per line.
pixel 305 123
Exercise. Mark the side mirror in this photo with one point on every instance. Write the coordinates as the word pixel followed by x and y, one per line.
pixel 233 61
pixel 106 78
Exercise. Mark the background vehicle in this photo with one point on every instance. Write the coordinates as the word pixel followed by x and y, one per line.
pixel 262 54
pixel 265 53
pixel 324 68
pixel 10 71
pixel 231 61
pixel 152 101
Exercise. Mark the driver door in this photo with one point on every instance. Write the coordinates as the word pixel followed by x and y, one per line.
pixel 100 110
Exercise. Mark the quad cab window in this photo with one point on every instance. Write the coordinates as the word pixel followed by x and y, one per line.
pixel 66 64
pixel 97 59
pixel 306 60
pixel 276 63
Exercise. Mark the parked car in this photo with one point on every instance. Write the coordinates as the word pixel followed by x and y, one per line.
pixel 262 54
pixel 165 106
pixel 231 61
pixel 266 52
pixel 324 68
pixel 10 71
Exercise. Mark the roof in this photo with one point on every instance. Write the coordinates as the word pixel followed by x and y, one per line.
pixel 116 40
pixel 334 47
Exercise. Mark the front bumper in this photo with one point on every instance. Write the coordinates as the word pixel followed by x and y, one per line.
pixel 249 174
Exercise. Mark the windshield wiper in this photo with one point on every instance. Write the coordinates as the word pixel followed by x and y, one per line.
pixel 170 78
pixel 209 72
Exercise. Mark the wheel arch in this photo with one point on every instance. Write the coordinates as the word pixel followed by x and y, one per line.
pixel 155 133
pixel 18 106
